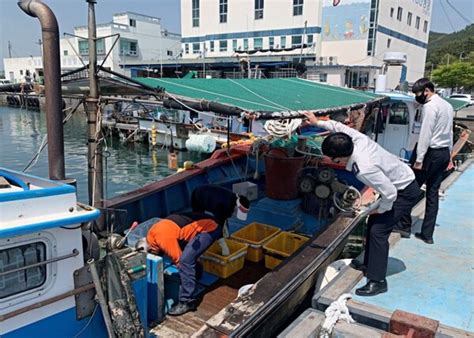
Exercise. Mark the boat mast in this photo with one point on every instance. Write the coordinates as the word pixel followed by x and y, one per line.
pixel 94 147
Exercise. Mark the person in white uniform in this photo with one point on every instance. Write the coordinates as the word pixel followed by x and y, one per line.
pixel 386 174
pixel 432 155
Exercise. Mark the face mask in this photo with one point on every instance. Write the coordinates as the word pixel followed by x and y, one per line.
pixel 421 99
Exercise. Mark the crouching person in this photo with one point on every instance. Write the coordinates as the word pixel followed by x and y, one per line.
pixel 196 232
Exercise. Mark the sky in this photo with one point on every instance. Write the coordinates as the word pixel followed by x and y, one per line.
pixel 23 31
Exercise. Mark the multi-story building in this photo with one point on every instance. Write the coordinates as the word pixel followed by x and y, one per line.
pixel 270 30
pixel 141 39
pixel 356 34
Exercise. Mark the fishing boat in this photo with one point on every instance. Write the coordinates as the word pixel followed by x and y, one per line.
pixel 55 279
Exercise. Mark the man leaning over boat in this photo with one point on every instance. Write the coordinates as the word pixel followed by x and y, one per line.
pixel 386 174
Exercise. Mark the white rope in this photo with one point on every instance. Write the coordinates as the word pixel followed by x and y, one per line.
pixel 338 310
pixel 282 128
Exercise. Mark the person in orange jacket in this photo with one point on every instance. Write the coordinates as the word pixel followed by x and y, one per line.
pixel 196 232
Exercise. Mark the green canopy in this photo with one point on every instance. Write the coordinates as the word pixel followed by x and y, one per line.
pixel 457 104
pixel 274 95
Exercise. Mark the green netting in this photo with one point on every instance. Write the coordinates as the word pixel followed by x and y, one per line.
pixel 264 94
pixel 313 144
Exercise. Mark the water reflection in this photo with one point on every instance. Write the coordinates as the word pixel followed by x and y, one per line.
pixel 128 166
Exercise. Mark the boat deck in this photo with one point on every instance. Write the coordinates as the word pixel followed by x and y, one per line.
pixel 436 281
pixel 214 300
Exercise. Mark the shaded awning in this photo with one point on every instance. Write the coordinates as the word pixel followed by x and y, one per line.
pixel 268 95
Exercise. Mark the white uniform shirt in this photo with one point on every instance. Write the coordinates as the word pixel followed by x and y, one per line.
pixel 374 166
pixel 436 126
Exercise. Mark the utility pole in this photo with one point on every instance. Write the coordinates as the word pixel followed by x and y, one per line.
pixel 448 59
pixel 40 43
pixel 302 40
pixel 9 49
pixel 94 148
pixel 431 73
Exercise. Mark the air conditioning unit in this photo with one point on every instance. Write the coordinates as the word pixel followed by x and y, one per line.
pixel 332 60
pixel 322 60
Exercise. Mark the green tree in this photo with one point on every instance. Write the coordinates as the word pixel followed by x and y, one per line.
pixel 459 74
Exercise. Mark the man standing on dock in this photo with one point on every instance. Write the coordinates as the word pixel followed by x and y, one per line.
pixel 432 155
pixel 385 173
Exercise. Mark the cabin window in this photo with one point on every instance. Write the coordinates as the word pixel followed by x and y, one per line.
pixel 398 114
pixel 133 23
pixel 26 279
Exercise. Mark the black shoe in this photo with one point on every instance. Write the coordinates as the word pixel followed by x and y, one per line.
pixel 181 308
pixel 355 264
pixel 419 235
pixel 403 233
pixel 372 288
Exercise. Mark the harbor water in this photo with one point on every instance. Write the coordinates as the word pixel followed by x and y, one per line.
pixel 127 166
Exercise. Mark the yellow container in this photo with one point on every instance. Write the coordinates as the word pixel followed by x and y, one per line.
pixel 256 235
pixel 282 246
pixel 224 266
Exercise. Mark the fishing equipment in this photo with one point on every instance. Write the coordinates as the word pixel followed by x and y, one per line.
pixel 202 143
pixel 282 128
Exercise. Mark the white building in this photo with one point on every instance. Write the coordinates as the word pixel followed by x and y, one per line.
pixel 142 40
pixel 267 29
pixel 359 32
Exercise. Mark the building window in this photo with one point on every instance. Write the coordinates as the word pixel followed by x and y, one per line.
pixel 297 7
pixel 234 45
pixel 133 23
pixel 271 42
pixel 223 46
pixel 296 41
pixel 257 43
pixel 283 42
pixel 23 280
pixel 128 47
pixel 392 10
pixel 246 44
pixel 100 46
pixel 196 48
pixel 417 22
pixel 222 11
pixel 195 13
pixel 374 13
pixel 211 46
pixel 425 26
pixel 389 42
pixel 169 53
pixel 409 17
pixel 66 53
pixel 186 48
pixel 323 77
pixel 309 39
pixel 83 47
pixel 399 14
pixel 21 71
pixel 258 9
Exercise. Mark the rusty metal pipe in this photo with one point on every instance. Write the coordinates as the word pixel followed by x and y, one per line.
pixel 52 82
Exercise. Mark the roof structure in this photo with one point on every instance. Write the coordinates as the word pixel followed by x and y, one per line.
pixel 269 95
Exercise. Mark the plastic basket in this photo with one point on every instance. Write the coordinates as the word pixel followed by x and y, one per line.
pixel 282 246
pixel 255 235
pixel 224 266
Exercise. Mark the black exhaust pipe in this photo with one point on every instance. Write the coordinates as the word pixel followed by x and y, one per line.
pixel 52 84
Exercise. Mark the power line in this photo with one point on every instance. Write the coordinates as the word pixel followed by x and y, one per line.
pixel 447 16
pixel 459 13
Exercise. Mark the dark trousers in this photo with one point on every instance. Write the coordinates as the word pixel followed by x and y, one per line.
pixel 379 228
pixel 188 261
pixel 435 164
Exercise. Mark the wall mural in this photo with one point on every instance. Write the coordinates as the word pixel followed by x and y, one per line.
pixel 347 21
